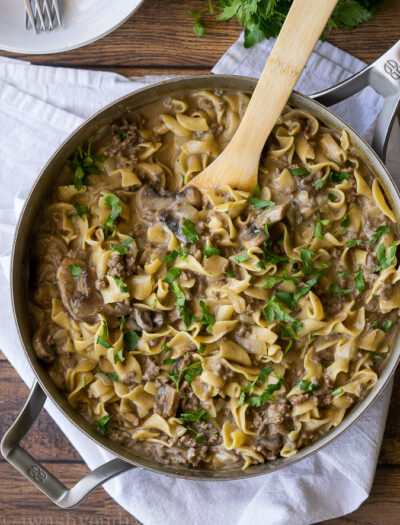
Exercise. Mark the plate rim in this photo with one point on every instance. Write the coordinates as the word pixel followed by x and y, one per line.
pixel 24 51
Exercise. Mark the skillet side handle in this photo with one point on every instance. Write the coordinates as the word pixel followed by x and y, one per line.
pixel 37 473
pixel 383 76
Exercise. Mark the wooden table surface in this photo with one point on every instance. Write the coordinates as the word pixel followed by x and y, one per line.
pixel 158 39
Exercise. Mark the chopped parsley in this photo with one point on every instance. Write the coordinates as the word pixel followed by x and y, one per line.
pixel 131 340
pixel 101 341
pixel 383 324
pixel 208 318
pixel 241 257
pixel 83 165
pixel 166 348
pixel 201 348
pixel 352 243
pixel 79 210
pixel 379 232
pixel 230 274
pixel 338 176
pixel 189 373
pixel 170 258
pixel 267 394
pixel 260 265
pixel 75 270
pixel 197 416
pixel 256 192
pixel 273 311
pixel 189 231
pixel 260 203
pixel 335 291
pixel 271 257
pixel 122 134
pixel 332 197
pixel 345 222
pixel 122 248
pixel 111 201
pixel 385 262
pixel 319 183
pixel 102 425
pixel 271 280
pixel 209 251
pixel 249 389
pixel 297 172
pixel 337 392
pixel 307 386
pixel 172 274
pixel 122 323
pixel 121 285
pixel 198 25
pixel 169 361
pixel 119 356
pixel 359 282
pixel 113 377
pixel 318 227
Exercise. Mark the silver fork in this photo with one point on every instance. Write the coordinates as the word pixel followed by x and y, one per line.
pixel 42 15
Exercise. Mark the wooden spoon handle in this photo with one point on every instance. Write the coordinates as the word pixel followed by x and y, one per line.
pixel 237 165
pixel 300 32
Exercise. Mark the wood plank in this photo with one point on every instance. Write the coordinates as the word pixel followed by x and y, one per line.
pixel 23 504
pixel 160 36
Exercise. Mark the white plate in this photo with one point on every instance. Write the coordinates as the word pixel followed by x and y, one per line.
pixel 83 22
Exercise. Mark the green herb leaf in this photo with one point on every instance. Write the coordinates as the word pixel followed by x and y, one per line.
pixel 197 416
pixel 113 377
pixel 271 280
pixel 119 356
pixel 111 201
pixel 297 172
pixel 131 339
pixel 122 134
pixel 260 203
pixel 170 258
pixel 385 262
pixel 335 291
pixel 267 394
pixel 198 26
pixel 337 392
pixel 208 318
pixel 189 231
pixel 201 348
pixel 166 348
pixel 172 274
pixel 169 361
pixel 241 257
pixel 103 342
pixel 256 192
pixel 352 243
pixel 379 232
pixel 319 183
pixel 332 197
pixel 121 285
pixel 359 282
pixel 273 311
pixel 122 248
pixel 122 323
pixel 306 256
pixel 338 176
pixel 209 251
pixel 230 274
pixel 75 270
pixel 102 426
pixel 79 210
pixel 307 386
pixel 180 296
pixel 345 222
pixel 318 227
pixel 189 372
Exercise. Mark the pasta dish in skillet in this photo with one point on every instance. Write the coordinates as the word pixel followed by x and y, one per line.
pixel 214 330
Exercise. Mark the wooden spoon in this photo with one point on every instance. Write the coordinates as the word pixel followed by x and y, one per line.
pixel 237 165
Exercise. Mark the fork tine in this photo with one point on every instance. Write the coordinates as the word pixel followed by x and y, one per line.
pixel 39 12
pixel 29 16
pixel 47 8
pixel 57 10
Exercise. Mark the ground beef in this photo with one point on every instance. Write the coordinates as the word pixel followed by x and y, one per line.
pixel 151 369
pixel 116 267
pixel 222 371
pixel 274 413
pixel 299 398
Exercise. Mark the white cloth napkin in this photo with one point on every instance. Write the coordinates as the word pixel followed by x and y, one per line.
pixel 39 107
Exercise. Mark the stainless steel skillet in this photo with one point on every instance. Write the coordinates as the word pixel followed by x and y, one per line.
pixel 383 75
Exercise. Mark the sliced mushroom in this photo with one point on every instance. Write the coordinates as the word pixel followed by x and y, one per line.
pixel 148 320
pixel 254 234
pixel 167 401
pixel 80 296
pixel 170 209
pixel 43 344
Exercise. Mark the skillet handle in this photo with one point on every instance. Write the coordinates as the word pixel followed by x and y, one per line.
pixel 383 76
pixel 37 473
